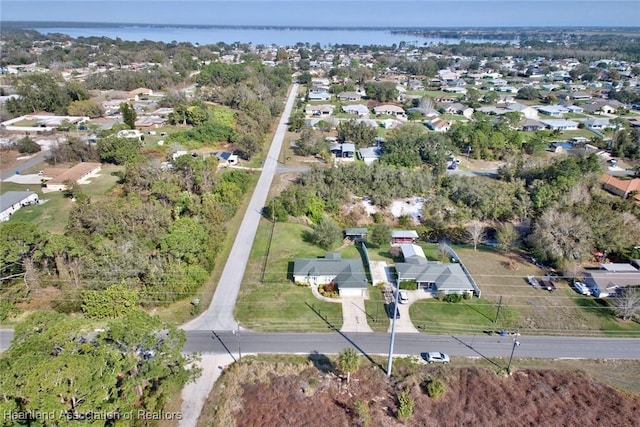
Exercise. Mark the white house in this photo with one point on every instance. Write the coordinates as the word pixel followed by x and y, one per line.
pixel 11 201
pixel 559 124
pixel 389 110
pixel 370 154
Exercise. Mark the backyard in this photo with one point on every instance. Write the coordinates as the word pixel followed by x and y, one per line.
pixel 53 211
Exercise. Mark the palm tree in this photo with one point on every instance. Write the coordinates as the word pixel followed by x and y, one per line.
pixel 349 361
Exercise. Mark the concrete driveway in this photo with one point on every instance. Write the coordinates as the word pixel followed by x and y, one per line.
pixel 354 316
pixel 379 272
pixel 404 323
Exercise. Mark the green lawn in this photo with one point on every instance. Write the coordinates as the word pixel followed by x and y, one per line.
pixel 472 316
pixel 376 315
pixel 52 214
pixel 537 311
pixel 285 307
pixel 272 301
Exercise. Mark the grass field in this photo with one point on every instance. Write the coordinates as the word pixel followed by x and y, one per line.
pixel 538 311
pixel 270 300
pixel 53 212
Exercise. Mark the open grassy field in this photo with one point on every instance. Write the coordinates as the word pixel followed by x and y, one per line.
pixel 538 311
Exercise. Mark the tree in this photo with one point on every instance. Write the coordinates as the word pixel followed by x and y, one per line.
pixel 562 236
pixel 382 91
pixel 507 237
pixel 61 364
pixel 626 303
pixel 380 234
pixel 129 115
pixel 349 362
pixel 326 233
pixel 26 145
pixel 360 133
pixel 309 144
pixel 118 151
pixel 529 93
pixel 113 302
pixel 476 233
pixel 89 108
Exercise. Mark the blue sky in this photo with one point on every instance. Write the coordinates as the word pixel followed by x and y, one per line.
pixel 375 13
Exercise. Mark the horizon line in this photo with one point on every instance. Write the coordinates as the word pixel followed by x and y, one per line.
pixel 457 27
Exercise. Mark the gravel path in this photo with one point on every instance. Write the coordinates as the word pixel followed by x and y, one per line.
pixel 195 394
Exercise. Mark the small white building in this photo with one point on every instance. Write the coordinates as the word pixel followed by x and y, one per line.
pixel 11 201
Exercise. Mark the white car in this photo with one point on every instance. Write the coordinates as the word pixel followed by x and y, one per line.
pixel 582 288
pixel 403 297
pixel 436 357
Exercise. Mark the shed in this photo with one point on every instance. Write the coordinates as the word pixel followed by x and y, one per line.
pixel 355 233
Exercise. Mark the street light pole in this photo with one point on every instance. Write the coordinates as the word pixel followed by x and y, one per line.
pixel 516 343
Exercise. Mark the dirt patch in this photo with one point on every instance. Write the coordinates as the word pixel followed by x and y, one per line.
pixel 475 396
pixel 9 160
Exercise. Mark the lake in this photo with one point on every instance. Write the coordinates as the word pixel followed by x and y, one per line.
pixel 254 35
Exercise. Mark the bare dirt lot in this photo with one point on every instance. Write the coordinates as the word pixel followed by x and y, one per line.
pixel 278 394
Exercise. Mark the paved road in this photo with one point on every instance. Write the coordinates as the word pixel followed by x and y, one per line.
pixel 378 343
pixel 221 342
pixel 27 164
pixel 219 315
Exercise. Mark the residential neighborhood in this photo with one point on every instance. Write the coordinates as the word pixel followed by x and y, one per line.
pixel 465 200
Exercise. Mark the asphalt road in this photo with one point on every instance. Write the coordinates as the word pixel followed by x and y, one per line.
pixel 27 164
pixel 378 343
pixel 219 314
pixel 543 347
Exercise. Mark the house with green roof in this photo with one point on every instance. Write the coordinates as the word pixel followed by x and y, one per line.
pixel 347 274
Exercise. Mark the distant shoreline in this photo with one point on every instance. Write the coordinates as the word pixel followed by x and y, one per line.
pixel 480 29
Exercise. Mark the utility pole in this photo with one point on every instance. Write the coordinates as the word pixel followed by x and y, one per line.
pixel 393 331
pixel 237 333
pixel 498 311
pixel 516 343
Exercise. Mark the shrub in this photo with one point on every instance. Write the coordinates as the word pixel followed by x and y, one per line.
pixel 453 298
pixel 8 310
pixel 436 388
pixel 466 295
pixel 329 290
pixel 405 405
pixel 409 285
pixel 363 413
pixel 27 145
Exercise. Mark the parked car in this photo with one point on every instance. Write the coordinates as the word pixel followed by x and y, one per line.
pixel 436 357
pixel 403 297
pixel 581 288
pixel 391 308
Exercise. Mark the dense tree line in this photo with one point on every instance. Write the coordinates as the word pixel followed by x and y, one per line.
pixel 559 205
pixel 159 237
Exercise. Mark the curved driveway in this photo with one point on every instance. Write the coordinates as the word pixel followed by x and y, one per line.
pixel 219 315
